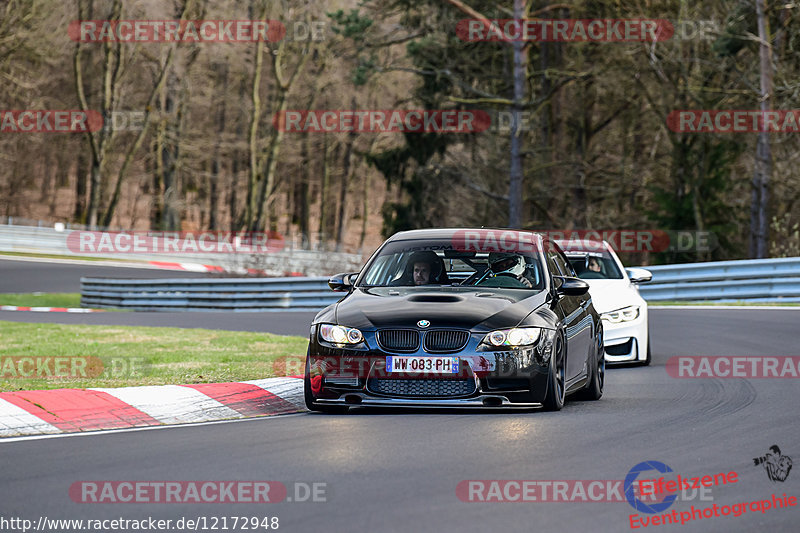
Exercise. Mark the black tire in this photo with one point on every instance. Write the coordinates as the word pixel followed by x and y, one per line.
pixel 554 399
pixel 309 397
pixel 597 374
pixel 649 358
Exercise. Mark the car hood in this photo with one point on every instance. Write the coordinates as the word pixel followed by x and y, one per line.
pixel 612 294
pixel 456 307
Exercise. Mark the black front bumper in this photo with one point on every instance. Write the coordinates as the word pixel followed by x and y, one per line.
pixel 486 378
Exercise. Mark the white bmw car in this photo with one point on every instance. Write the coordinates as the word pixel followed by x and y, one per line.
pixel 615 294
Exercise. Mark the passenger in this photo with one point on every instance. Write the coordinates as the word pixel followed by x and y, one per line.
pixel 510 264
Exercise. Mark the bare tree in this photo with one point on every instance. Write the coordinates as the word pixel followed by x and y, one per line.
pixel 762 174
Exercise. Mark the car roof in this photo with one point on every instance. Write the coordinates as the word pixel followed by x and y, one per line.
pixel 442 233
pixel 582 245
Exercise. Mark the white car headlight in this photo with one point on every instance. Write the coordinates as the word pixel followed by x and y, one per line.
pixel 626 314
pixel 340 334
pixel 512 337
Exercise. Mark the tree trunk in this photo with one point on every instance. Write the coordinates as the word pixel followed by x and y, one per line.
pixel 323 192
pixel 515 184
pixel 303 201
pixel 221 72
pixel 759 225
pixel 170 217
pixel 137 143
pixel 330 154
pixel 252 180
pixel 79 214
pixel 157 206
pixel 346 172
pixel 236 219
pixel 364 212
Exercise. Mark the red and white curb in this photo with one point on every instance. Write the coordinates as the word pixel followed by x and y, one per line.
pixel 41 412
pixel 189 267
pixel 159 265
pixel 196 267
pixel 50 309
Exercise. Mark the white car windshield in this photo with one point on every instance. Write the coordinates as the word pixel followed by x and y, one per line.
pixel 594 265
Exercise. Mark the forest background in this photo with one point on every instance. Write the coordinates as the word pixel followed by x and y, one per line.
pixel 190 142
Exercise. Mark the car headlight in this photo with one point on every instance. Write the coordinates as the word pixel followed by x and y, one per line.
pixel 626 314
pixel 340 334
pixel 512 337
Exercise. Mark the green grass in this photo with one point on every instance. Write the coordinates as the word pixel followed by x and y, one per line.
pixel 40 299
pixel 119 356
pixel 739 302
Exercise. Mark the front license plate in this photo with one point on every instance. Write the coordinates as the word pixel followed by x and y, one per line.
pixel 433 365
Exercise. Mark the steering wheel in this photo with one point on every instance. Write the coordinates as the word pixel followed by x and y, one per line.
pixel 504 279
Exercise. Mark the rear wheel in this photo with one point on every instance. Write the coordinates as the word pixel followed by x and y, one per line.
pixel 554 399
pixel 309 396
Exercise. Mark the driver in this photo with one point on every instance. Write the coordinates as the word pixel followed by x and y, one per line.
pixel 509 264
pixel 423 268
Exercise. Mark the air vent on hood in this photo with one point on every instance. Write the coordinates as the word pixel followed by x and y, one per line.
pixel 435 298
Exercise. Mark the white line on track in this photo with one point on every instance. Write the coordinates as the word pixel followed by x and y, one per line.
pixel 712 307
pixel 147 428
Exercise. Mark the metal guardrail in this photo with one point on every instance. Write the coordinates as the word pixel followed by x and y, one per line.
pixel 763 280
pixel 49 240
pixel 232 294
pixel 757 280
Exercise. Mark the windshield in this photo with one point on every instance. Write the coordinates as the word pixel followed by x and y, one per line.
pixel 435 263
pixel 594 265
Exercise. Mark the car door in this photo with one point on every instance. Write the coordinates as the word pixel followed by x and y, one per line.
pixel 577 319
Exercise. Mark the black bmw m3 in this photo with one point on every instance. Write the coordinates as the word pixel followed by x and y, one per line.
pixel 457 318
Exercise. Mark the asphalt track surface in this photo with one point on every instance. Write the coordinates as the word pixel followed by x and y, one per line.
pixel 398 470
pixel 29 276
pixel 38 276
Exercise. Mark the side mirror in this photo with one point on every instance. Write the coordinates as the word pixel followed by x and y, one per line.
pixel 639 275
pixel 571 286
pixel 342 282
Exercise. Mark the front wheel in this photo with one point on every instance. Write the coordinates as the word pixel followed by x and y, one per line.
pixel 649 354
pixel 309 396
pixel 597 374
pixel 554 399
